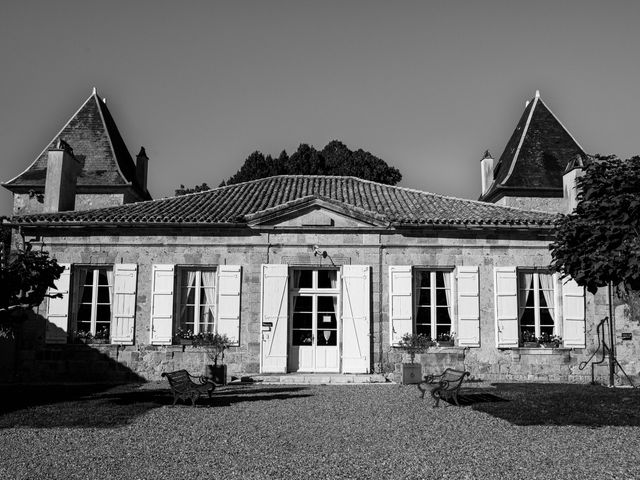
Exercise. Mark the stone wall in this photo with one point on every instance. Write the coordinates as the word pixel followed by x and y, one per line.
pixel 377 249
pixel 543 204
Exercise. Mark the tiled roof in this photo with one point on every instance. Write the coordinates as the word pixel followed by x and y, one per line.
pixel 535 157
pixel 237 204
pixel 97 145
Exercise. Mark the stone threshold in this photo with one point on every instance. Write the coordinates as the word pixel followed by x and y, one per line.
pixel 320 379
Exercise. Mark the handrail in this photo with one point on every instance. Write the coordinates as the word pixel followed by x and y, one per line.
pixel 605 351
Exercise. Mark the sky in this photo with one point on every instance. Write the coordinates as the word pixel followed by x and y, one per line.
pixel 427 86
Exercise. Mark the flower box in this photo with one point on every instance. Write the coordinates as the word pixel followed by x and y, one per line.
pixel 445 343
pixel 184 341
pixel 531 345
pixel 550 345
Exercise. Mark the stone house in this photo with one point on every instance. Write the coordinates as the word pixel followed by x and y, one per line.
pixel 304 274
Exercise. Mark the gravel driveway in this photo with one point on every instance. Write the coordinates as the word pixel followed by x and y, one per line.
pixel 291 432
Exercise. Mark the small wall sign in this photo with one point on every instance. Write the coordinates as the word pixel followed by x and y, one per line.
pixel 627 336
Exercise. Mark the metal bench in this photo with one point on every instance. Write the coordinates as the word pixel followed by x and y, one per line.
pixel 443 386
pixel 184 387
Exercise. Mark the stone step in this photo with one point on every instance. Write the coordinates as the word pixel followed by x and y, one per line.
pixel 319 378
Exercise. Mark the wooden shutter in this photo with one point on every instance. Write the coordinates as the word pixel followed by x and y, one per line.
pixel 355 318
pixel 506 306
pixel 400 302
pixel 573 313
pixel 58 311
pixel 229 286
pixel 274 318
pixel 162 282
pixel 125 277
pixel 468 306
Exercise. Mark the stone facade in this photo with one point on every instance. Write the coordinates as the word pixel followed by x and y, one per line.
pixel 378 250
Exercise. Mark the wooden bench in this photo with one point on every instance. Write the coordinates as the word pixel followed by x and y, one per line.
pixel 184 387
pixel 445 385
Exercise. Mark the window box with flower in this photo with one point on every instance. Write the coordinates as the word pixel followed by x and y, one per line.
pixel 445 340
pixel 183 337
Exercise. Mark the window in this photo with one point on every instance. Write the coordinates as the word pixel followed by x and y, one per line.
pixel 536 305
pixel 94 297
pixel 197 300
pixel 432 303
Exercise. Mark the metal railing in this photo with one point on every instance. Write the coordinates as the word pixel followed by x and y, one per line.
pixel 607 351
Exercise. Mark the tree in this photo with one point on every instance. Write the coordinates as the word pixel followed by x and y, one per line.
pixel 25 278
pixel 334 159
pixel 198 188
pixel 599 243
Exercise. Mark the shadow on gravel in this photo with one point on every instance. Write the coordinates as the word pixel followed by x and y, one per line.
pixel 564 404
pixel 466 399
pixel 106 406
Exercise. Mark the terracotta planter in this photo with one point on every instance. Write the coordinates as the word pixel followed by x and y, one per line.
pixel 217 374
pixel 411 373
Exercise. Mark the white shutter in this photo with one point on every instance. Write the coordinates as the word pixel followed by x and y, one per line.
pixel 162 304
pixel 125 278
pixel 400 302
pixel 229 286
pixel 58 312
pixel 573 313
pixel 506 305
pixel 468 307
pixel 355 318
pixel 274 317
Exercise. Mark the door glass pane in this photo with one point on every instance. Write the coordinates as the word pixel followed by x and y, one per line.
pixel 302 304
pixel 327 279
pixel 302 278
pixel 302 337
pixel 327 338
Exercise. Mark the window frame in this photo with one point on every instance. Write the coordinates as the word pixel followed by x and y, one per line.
pixel 433 291
pixel 537 291
pixel 179 270
pixel 76 299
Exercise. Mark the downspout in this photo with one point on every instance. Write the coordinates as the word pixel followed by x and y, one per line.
pixel 612 339
pixel 380 329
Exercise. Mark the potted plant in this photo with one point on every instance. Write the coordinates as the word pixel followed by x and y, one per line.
pixel 214 345
pixel 80 336
pixel 529 339
pixel 101 336
pixel 445 340
pixel 412 344
pixel 183 337
pixel 550 341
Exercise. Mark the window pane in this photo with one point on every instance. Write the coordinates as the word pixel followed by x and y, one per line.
pixel 206 316
pixel 440 280
pixel 423 315
pixel 207 296
pixel 528 318
pixel 187 314
pixel 103 313
pixel 302 278
pixel 104 295
pixel 546 316
pixel 442 316
pixel 441 297
pixel 424 297
pixel 188 295
pixel 327 320
pixel 423 278
pixel 103 279
pixel 424 329
pixel 87 294
pixel 443 332
pixel 84 313
pixel 327 279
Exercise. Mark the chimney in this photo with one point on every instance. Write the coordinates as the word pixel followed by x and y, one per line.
pixel 486 171
pixel 62 175
pixel 574 170
pixel 142 163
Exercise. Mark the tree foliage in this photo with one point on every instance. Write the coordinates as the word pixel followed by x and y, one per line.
pixel 334 159
pixel 198 188
pixel 599 243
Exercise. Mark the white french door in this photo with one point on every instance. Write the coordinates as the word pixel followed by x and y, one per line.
pixel 314 325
